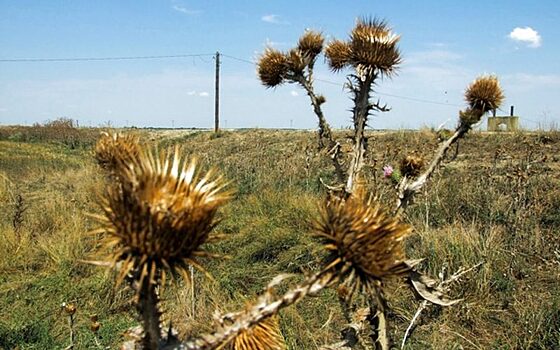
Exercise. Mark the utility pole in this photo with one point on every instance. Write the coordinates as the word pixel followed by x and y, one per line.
pixel 217 95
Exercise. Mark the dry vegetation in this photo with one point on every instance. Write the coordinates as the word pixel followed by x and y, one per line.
pixel 498 202
pixel 371 216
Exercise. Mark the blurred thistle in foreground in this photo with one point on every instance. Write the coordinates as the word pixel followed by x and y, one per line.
pixel 265 335
pixel 113 150
pixel 161 215
pixel 364 244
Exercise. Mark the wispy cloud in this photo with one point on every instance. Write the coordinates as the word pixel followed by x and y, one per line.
pixel 294 93
pixel 274 19
pixel 186 11
pixel 526 35
pixel 203 94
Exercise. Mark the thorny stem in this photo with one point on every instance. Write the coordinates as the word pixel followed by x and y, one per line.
pixel 150 314
pixel 325 134
pixel 407 190
pixel 361 110
pixel 258 312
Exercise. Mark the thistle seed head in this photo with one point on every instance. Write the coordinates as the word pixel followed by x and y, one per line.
pixel 374 47
pixel 484 94
pixel 160 216
pixel 272 67
pixel 113 150
pixel 364 244
pixel 296 61
pixel 265 335
pixel 338 55
pixel 411 165
pixel 311 44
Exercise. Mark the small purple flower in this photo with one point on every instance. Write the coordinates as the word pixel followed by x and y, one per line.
pixel 387 171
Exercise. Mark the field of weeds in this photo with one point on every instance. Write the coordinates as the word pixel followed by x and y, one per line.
pixel 495 206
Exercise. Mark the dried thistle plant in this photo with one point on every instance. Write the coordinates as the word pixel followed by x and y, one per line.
pixel 115 150
pixel 364 243
pixel 411 165
pixel 372 48
pixel 162 215
pixel 155 221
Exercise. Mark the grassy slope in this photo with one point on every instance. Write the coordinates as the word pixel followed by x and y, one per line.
pixel 499 202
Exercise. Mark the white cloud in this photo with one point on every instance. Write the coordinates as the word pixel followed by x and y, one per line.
pixel 274 19
pixel 186 11
pixel 526 35
pixel 294 93
pixel 191 93
pixel 203 94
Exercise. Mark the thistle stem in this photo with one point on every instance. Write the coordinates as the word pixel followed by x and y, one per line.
pixel 150 315
pixel 407 190
pixel 258 312
pixel 362 107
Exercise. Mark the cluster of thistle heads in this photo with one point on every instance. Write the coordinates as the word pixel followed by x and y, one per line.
pixel 371 49
pixel 160 211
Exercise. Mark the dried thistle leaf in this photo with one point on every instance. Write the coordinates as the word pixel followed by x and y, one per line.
pixel 428 289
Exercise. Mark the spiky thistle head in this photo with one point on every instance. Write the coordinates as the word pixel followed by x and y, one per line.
pixel 374 46
pixel 339 54
pixel 265 335
pixel 484 94
pixel 311 44
pixel 411 165
pixel 272 67
pixel 113 150
pixel 364 244
pixel 160 216
pixel 296 62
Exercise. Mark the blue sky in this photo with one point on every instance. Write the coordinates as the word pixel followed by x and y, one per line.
pixel 445 45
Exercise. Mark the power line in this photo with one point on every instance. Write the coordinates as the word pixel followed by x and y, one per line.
pixel 379 93
pixel 114 58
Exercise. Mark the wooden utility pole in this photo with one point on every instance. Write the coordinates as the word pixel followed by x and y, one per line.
pixel 217 95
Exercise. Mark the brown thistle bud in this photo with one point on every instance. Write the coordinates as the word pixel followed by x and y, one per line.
pixel 374 46
pixel 94 326
pixel 272 67
pixel 311 44
pixel 160 216
pixel 112 150
pixel 338 54
pixel 69 308
pixel 484 94
pixel 411 165
pixel 364 244
pixel 265 335
pixel 470 116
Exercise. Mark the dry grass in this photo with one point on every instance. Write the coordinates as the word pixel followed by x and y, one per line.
pixel 498 203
